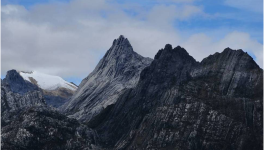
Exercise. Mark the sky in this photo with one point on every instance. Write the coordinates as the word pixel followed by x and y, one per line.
pixel 68 37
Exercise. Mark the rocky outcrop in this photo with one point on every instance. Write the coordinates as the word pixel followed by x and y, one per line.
pixel 27 123
pixel 42 128
pixel 54 97
pixel 179 103
pixel 11 102
pixel 17 84
pixel 117 71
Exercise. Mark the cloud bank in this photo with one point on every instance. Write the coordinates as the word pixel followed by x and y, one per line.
pixel 68 39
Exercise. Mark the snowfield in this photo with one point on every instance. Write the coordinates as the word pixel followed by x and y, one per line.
pixel 47 82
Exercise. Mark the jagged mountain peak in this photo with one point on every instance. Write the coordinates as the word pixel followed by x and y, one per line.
pixel 122 40
pixel 173 53
pixel 17 83
pixel 120 46
pixel 118 70
pixel 120 55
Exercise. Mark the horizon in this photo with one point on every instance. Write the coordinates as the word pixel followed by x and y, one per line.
pixel 70 44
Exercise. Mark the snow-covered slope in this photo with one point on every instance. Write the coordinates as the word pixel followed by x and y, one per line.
pixel 47 82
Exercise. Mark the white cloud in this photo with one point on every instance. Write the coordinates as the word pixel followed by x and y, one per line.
pixel 200 45
pixel 50 39
pixel 68 39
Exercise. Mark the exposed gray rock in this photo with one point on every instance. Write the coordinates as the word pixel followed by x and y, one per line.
pixel 55 97
pixel 27 123
pixel 179 103
pixel 118 70
pixel 40 128
pixel 17 84
pixel 11 102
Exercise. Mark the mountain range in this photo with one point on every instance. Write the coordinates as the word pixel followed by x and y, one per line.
pixel 132 102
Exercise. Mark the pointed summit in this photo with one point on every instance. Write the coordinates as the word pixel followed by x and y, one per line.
pixel 118 70
pixel 120 46
pixel 122 41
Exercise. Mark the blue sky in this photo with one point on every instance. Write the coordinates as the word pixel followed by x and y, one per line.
pixel 68 37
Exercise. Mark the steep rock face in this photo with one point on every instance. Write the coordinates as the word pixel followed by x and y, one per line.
pixel 118 70
pixel 179 103
pixel 10 102
pixel 17 84
pixel 42 128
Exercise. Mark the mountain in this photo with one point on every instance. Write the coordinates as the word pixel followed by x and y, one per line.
pixel 132 102
pixel 179 103
pixel 17 84
pixel 56 90
pixel 117 71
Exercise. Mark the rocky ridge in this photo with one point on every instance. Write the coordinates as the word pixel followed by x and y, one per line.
pixel 117 71
pixel 183 104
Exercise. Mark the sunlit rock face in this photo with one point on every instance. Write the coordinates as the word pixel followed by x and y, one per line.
pixel 179 103
pixel 117 71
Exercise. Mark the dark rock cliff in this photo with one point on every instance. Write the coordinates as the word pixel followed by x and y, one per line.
pixel 17 84
pixel 182 104
pixel 45 129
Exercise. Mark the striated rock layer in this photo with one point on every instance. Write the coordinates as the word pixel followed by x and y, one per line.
pixel 117 71
pixel 27 123
pixel 179 103
pixel 45 129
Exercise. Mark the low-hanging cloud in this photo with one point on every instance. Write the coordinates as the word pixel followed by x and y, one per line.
pixel 68 39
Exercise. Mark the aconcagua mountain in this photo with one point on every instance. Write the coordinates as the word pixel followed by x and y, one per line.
pixel 117 71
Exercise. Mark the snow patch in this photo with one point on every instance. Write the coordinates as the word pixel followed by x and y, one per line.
pixel 47 82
